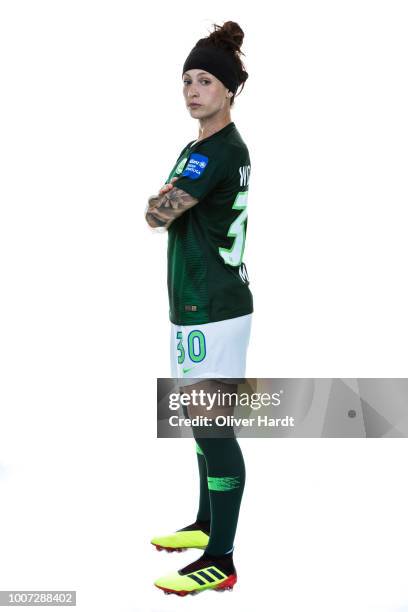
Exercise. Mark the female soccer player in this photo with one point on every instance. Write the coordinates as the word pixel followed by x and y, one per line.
pixel 203 207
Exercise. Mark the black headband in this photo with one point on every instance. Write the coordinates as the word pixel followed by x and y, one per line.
pixel 216 61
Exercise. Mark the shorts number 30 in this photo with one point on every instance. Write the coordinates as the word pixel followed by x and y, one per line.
pixel 195 346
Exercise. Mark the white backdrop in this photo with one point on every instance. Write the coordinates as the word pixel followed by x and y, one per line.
pixel 92 121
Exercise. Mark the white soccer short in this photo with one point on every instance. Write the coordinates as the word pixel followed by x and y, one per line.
pixel 210 350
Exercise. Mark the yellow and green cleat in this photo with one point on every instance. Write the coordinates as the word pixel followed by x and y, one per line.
pixel 202 575
pixel 189 537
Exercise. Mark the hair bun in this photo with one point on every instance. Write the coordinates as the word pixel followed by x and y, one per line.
pixel 230 36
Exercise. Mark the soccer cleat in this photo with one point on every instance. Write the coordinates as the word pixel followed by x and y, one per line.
pixel 189 537
pixel 201 575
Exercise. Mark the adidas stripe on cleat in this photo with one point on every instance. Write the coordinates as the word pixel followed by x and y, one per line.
pixel 199 576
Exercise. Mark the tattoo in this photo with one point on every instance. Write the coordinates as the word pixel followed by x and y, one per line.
pixel 162 210
pixel 153 221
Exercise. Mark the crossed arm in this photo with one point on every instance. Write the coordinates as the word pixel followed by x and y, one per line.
pixel 165 208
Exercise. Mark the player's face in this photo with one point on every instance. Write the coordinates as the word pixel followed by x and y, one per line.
pixel 206 90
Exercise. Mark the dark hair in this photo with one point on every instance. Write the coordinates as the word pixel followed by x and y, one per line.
pixel 230 37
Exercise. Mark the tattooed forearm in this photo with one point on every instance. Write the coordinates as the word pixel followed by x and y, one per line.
pixel 153 221
pixel 162 210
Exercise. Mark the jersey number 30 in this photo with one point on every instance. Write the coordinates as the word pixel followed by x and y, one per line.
pixel 233 256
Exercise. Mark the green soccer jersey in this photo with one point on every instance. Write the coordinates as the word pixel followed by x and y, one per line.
pixel 207 278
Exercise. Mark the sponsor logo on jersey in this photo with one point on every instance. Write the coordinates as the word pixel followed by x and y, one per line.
pixel 196 166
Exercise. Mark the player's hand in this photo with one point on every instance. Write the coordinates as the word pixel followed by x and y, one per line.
pixel 154 200
pixel 168 186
